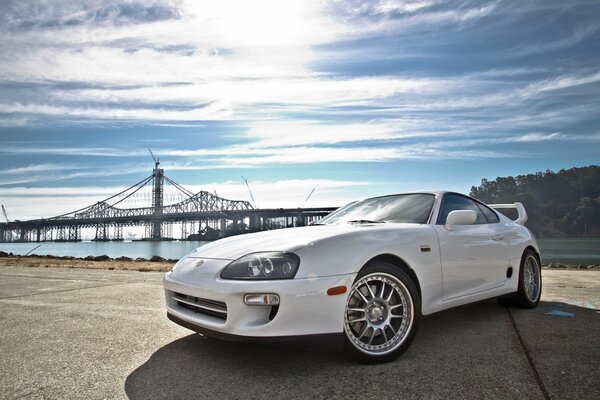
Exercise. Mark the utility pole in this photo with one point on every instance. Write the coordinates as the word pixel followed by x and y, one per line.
pixel 157 197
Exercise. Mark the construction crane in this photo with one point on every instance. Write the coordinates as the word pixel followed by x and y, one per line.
pixel 308 197
pixel 5 215
pixel 249 191
pixel 156 159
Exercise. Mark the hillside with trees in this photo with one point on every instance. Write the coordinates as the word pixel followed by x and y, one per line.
pixel 559 204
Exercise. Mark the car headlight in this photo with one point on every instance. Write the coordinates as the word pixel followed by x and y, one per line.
pixel 263 266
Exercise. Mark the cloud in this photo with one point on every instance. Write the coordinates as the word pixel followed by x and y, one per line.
pixel 287 193
pixel 563 82
pixel 393 17
pixel 214 111
pixel 401 6
pixel 52 175
pixel 298 132
pixel 45 167
pixel 579 34
pixel 70 151
pixel 74 191
pixel 539 137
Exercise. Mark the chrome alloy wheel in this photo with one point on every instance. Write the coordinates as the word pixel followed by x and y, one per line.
pixel 531 278
pixel 379 314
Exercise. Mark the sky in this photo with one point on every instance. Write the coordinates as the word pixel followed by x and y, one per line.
pixel 355 98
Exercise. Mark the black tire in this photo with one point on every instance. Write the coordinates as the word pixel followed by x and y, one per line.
pixel 391 314
pixel 526 296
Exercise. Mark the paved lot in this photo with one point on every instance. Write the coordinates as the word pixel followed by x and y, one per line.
pixel 104 334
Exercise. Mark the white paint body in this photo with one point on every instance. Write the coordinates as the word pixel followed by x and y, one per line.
pixel 464 265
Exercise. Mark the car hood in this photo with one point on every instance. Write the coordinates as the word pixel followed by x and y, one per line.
pixel 289 239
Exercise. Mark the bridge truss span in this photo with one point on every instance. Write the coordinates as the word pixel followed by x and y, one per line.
pixel 165 210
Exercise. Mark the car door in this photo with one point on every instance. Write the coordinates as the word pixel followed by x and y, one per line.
pixel 473 257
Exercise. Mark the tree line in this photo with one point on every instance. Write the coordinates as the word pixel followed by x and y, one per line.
pixel 559 204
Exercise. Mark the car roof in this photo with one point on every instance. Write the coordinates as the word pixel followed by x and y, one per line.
pixel 434 192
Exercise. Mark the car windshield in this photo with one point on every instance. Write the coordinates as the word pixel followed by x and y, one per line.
pixel 401 208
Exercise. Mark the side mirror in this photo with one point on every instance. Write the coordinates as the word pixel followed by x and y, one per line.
pixel 460 217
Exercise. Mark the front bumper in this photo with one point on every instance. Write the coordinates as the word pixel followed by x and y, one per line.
pixel 249 339
pixel 305 308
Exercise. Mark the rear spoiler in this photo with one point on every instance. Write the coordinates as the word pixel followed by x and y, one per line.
pixel 522 218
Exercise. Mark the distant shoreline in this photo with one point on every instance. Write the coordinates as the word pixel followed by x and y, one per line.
pixel 155 263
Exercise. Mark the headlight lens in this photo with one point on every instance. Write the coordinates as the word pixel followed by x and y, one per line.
pixel 263 266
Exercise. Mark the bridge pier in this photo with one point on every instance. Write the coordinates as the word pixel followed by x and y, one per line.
pixel 300 219
pixel 166 231
pixel 118 232
pixel 46 234
pixel 101 233
pixel 222 228
pixel 74 233
pixel 61 235
pixel 254 223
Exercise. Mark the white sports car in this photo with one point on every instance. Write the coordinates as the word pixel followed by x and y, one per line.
pixel 368 271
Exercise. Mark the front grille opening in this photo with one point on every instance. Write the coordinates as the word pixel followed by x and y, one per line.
pixel 213 308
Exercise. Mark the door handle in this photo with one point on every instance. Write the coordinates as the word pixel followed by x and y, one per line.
pixel 498 237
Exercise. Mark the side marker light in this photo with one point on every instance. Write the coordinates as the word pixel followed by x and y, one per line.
pixel 334 291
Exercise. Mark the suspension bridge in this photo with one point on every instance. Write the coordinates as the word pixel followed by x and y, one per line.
pixel 165 209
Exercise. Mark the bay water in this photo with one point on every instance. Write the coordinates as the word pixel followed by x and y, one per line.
pixel 567 251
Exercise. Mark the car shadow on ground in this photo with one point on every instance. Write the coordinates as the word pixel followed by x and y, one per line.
pixel 474 346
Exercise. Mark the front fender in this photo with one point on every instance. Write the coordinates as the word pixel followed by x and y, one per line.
pixel 348 253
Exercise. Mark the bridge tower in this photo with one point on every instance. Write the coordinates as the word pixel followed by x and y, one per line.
pixel 157 199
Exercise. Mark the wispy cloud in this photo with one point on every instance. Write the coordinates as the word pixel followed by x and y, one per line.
pixel 54 176
pixel 45 167
pixel 70 151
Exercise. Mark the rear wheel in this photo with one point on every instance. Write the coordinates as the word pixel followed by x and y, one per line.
pixel 382 313
pixel 530 282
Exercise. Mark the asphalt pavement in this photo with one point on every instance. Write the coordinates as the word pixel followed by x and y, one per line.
pixel 95 334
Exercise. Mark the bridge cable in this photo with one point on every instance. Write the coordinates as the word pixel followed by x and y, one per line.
pixel 178 186
pixel 132 193
pixel 143 182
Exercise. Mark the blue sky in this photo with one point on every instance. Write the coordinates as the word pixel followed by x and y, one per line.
pixel 357 98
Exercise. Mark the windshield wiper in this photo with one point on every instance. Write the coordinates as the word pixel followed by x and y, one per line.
pixel 365 221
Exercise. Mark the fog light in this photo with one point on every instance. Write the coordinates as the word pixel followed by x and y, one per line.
pixel 261 299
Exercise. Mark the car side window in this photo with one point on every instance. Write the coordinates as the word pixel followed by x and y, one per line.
pixel 491 216
pixel 454 202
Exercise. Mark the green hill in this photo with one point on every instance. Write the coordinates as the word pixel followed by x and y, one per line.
pixel 559 204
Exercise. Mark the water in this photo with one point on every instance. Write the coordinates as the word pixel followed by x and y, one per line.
pixel 172 250
pixel 566 251
pixel 570 251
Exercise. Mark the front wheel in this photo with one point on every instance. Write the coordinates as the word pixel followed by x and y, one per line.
pixel 382 313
